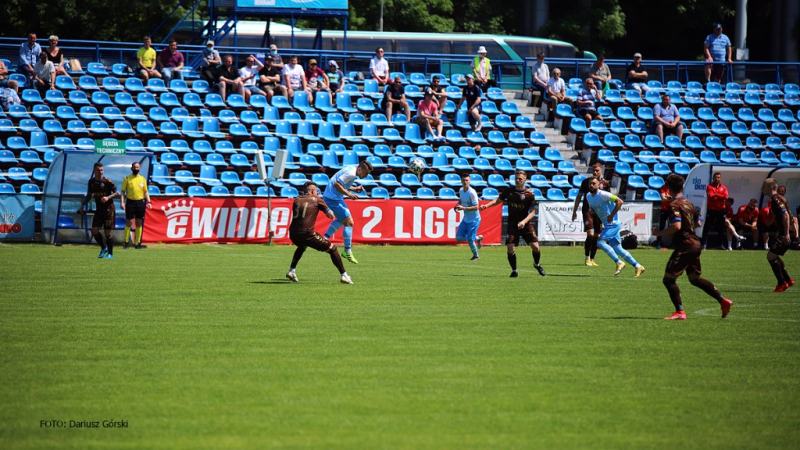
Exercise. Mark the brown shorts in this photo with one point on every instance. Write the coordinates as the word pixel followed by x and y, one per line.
pixel 312 239
pixel 105 218
pixel 779 245
pixel 685 259
pixel 591 221
pixel 527 232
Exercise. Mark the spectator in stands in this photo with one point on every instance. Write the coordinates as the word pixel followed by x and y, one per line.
pixel 395 99
pixel 277 60
pixel 229 80
pixel 600 73
pixel 336 79
pixel 637 76
pixel 439 92
pixel 666 119
pixel 55 55
pixel 29 53
pixel 663 217
pixel 171 61
pixel 557 91
pixel 294 77
pixel 715 215
pixel 44 74
pixel 540 75
pixel 9 95
pixel 717 50
pixel 249 76
pixel 471 94
pixel 147 60
pixel 586 102
pixel 209 63
pixel 379 68
pixel 4 81
pixel 746 221
pixel 317 79
pixel 428 116
pixel 482 70
pixel 270 80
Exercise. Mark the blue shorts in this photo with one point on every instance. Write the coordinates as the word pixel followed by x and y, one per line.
pixel 339 208
pixel 467 231
pixel 611 232
pixel 254 90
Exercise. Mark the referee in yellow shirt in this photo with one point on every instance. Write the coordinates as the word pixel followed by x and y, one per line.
pixel 134 199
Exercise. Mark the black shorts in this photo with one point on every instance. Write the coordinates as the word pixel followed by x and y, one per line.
pixel 591 221
pixel 780 245
pixel 312 239
pixel 591 112
pixel 134 209
pixel 767 228
pixel 105 218
pixel 685 258
pixel 527 232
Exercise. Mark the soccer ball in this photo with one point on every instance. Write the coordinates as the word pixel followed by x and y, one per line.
pixel 416 165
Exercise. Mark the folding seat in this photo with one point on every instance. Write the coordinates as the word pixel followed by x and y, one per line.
pixel 606 156
pixel 76 127
pixel 733 99
pixel 779 129
pixel 759 129
pixel 169 100
pixel 768 157
pixel 715 143
pixel 725 157
pixel 88 83
pixel 17 174
pixel 495 94
pixel 215 101
pixel 668 157
pixel 766 115
pixel 720 129
pixel 773 143
pixel 524 123
pixel 788 157
pixel 754 143
pixel 651 141
pixel 31 97
pixel 543 166
pixel 561 182
pixel 772 99
pixel 661 169
pixel 785 115
pixel 216 160
pixel 555 194
pixel 652 98
pixel 612 141
pixel 158 114
pixel 28 126
pixel 749 157
pixel 146 100
pixel 753 99
pixel 100 98
pixel 146 129
pixel 65 83
pixel 343 103
pixel 122 128
pixel 633 97
pixel 112 113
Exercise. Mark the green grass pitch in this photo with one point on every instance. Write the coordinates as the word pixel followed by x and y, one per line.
pixel 210 347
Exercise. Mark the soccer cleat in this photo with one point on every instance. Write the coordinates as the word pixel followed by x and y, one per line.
pixel 479 241
pixel 475 258
pixel 109 256
pixel 781 287
pixel 540 269
pixel 639 271
pixel 790 282
pixel 125 247
pixel 140 246
pixel 346 279
pixel 103 253
pixel 620 266
pixel 677 315
pixel 594 264
pixel 726 307
pixel 292 276
pixel 729 249
pixel 588 262
pixel 349 257
pixel 514 274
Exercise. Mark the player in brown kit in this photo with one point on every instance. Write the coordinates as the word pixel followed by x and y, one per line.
pixel 591 222
pixel 780 209
pixel 301 230
pixel 521 209
pixel 103 191
pixel 686 257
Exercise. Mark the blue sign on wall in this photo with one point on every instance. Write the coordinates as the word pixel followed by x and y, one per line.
pixel 293 4
pixel 16 216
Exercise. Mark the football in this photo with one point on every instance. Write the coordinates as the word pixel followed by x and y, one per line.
pixel 416 165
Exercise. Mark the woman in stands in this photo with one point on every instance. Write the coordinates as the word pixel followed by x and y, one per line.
pixel 55 55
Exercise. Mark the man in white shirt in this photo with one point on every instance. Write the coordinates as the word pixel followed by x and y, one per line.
pixel 556 90
pixel 379 68
pixel 541 75
pixel 295 77
pixel 249 76
pixel 44 74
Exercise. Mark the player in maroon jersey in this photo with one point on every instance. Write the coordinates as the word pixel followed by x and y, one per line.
pixel 591 223
pixel 521 210
pixel 305 209
pixel 103 191
pixel 780 210
pixel 686 257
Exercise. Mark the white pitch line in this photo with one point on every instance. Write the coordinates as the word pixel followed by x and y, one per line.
pixel 713 312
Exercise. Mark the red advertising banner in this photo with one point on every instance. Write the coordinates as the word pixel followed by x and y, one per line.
pixel 243 220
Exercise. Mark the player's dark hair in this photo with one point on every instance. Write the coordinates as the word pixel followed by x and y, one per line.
pixel 97 164
pixel 752 200
pixel 598 165
pixel 366 164
pixel 716 173
pixel 464 175
pixel 307 185
pixel 674 182
pixel 730 199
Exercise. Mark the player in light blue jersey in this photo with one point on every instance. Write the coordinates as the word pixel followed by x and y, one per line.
pixel 468 228
pixel 607 205
pixel 342 185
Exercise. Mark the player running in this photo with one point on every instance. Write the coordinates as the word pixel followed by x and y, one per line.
pixel 521 210
pixel 341 185
pixel 780 210
pixel 305 209
pixel 468 228
pixel 103 191
pixel 607 205
pixel 591 222
pixel 683 221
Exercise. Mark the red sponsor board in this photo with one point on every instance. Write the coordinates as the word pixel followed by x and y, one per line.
pixel 245 220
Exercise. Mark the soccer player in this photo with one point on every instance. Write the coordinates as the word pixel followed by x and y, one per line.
pixel 103 191
pixel 591 223
pixel 134 200
pixel 340 186
pixel 468 228
pixel 607 205
pixel 521 209
pixel 780 210
pixel 686 257
pixel 305 209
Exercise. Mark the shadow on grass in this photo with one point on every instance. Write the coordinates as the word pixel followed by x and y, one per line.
pixel 277 281
pixel 630 318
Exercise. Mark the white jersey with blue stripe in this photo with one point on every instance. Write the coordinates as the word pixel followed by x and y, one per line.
pixel 603 202
pixel 469 198
pixel 346 176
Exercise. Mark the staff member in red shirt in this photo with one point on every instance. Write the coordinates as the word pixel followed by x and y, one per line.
pixel 747 220
pixel 715 211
